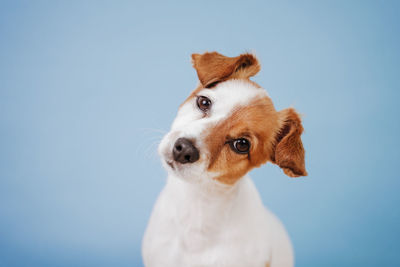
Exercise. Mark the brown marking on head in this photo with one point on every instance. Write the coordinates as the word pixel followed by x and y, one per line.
pixel 257 122
pixel 213 67
pixel 274 136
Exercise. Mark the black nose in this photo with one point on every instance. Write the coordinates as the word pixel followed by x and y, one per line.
pixel 184 151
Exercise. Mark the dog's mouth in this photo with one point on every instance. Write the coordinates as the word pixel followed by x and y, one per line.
pixel 169 163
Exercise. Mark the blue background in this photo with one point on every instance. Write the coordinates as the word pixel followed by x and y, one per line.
pixel 87 89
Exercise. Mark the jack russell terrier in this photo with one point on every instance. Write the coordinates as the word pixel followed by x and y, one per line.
pixel 209 212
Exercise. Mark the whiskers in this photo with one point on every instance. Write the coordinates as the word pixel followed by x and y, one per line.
pixel 150 140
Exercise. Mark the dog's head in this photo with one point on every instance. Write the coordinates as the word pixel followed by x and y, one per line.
pixel 229 125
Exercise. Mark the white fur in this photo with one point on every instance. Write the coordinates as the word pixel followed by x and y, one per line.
pixel 198 221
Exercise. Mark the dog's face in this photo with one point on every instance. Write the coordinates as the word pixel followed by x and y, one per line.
pixel 228 126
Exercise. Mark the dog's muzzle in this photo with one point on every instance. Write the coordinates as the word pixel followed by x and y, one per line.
pixel 184 151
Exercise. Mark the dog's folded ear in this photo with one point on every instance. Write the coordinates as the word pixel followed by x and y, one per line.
pixel 288 152
pixel 213 67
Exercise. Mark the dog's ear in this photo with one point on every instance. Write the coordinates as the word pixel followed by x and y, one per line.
pixel 213 68
pixel 288 152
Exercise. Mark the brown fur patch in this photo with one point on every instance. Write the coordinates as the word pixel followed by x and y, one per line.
pixel 213 67
pixel 258 122
pixel 274 136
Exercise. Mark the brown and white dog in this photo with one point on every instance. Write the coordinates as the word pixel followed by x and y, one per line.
pixel 210 213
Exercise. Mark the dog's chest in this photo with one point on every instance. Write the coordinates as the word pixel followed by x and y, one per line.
pixel 190 231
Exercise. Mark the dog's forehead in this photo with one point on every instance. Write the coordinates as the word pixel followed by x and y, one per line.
pixel 232 94
pixel 229 95
pixel 226 97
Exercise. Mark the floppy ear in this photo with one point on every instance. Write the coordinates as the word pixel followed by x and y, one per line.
pixel 213 67
pixel 289 152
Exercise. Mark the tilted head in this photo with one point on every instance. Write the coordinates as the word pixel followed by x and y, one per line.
pixel 229 125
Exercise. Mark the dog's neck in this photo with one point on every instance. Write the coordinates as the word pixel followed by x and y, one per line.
pixel 200 210
pixel 205 203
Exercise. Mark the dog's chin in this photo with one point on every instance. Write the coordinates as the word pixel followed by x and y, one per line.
pixel 175 168
pixel 192 173
pixel 169 165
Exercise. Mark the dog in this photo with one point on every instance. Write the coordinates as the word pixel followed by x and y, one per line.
pixel 209 212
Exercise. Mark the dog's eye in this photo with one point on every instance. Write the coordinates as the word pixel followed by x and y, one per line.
pixel 203 103
pixel 241 145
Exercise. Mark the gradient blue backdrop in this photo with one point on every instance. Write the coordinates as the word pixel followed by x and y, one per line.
pixel 86 87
